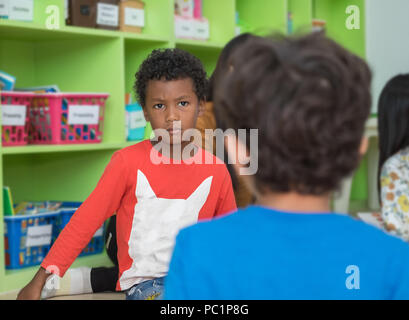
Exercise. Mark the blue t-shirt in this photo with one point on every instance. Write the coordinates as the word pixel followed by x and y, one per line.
pixel 259 253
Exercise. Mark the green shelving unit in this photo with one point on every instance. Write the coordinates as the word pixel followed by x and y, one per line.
pixel 95 60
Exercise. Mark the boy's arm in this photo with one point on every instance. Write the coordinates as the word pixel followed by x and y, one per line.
pixel 394 195
pixel 99 206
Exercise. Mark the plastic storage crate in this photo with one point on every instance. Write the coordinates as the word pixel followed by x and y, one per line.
pixel 67 118
pixel 96 245
pixel 28 238
pixel 15 120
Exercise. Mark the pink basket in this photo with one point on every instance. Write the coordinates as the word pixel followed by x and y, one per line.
pixel 15 120
pixel 67 118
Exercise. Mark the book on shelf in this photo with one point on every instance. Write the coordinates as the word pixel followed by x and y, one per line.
pixel 41 89
pixel 8 206
pixel 7 81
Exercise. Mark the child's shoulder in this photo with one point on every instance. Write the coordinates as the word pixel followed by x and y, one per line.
pixel 139 147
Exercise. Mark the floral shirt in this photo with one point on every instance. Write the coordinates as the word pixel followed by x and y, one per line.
pixel 395 193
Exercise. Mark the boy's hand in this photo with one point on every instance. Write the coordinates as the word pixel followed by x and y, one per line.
pixel 32 291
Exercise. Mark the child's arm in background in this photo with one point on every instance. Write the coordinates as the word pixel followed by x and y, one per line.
pixel 395 201
pixel 99 206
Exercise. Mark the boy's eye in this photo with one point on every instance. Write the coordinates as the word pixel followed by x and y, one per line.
pixel 183 103
pixel 158 106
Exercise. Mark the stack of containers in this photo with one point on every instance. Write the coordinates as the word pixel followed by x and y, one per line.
pixel 189 21
pixel 123 15
pixel 29 237
pixel 51 118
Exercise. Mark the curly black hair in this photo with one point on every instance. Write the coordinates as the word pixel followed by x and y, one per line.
pixel 309 97
pixel 170 64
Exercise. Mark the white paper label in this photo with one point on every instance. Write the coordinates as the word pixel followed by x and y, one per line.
pixel 134 17
pixel 21 10
pixel 202 29
pixel 136 120
pixel 4 8
pixel 184 28
pixel 83 114
pixel 107 14
pixel 39 235
pixel 99 232
pixel 13 115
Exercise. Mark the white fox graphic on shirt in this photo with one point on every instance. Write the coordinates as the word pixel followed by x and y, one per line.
pixel 155 224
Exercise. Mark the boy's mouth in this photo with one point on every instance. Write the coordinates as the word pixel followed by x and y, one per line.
pixel 174 131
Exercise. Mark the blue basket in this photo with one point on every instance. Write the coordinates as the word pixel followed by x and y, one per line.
pixel 28 238
pixel 96 245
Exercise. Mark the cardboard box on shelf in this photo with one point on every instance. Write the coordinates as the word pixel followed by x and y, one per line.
pixel 108 14
pixel 131 16
pixel 82 13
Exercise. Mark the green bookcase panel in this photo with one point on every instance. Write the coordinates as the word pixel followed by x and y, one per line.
pixel 221 19
pixel 208 56
pixel 334 13
pixel 159 18
pixel 135 53
pixel 302 14
pixel 67 176
pixel 263 16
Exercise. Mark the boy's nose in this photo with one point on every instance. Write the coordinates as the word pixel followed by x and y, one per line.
pixel 172 114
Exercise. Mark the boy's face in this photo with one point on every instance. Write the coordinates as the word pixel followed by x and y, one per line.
pixel 173 106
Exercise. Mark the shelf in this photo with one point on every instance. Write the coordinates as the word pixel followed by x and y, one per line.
pixel 31 149
pixel 18 30
pixel 197 44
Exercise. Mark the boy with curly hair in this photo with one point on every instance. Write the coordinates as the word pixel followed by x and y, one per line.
pixel 152 199
pixel 309 98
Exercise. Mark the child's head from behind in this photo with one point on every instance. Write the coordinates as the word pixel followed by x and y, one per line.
pixel 171 86
pixel 393 117
pixel 309 99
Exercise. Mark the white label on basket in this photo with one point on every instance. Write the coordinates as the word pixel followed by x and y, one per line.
pixel 136 119
pixel 39 235
pixel 107 14
pixel 184 27
pixel 13 115
pixel 21 10
pixel 99 232
pixel 4 8
pixel 83 114
pixel 134 17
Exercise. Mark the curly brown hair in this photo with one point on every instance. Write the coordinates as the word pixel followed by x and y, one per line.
pixel 170 64
pixel 309 97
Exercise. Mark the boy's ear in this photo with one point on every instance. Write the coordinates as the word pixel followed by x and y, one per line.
pixel 237 154
pixel 145 113
pixel 364 146
pixel 202 107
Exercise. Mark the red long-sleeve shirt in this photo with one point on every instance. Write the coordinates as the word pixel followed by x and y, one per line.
pixel 152 202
